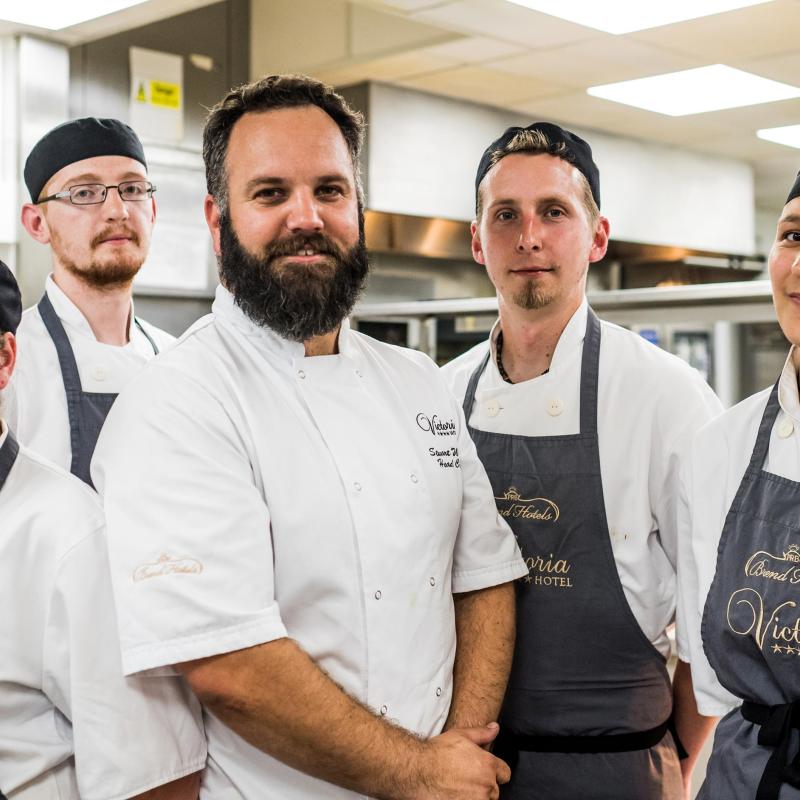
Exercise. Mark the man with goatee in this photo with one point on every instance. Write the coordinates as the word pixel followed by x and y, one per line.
pixel 298 521
pixel 92 204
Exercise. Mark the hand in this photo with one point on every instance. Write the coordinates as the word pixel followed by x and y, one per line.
pixel 458 768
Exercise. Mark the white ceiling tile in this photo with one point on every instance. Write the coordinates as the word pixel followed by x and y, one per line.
pixel 483 85
pixel 753 32
pixel 506 21
pixel 603 60
pixel 475 49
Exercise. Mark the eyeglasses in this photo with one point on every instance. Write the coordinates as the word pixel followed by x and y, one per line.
pixel 87 194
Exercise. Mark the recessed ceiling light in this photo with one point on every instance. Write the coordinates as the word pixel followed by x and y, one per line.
pixel 624 16
pixel 694 91
pixel 57 14
pixel 788 135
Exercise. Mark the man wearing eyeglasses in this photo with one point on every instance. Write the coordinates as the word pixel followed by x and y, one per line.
pixel 92 203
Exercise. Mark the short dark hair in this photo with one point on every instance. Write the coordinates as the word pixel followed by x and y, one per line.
pixel 268 94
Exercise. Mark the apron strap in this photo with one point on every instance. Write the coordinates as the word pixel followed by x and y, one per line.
pixel 69 374
pixel 469 397
pixel 776 724
pixel 8 455
pixel 761 448
pixel 590 374
pixel 146 335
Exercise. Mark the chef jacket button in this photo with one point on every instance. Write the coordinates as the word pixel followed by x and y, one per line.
pixel 301 374
pixel 433 581
pixel 99 374
pixel 438 691
pixel 493 408
pixel 359 373
pixel 384 711
pixel 785 429
pixel 555 407
pixel 357 486
pixel 378 595
pixel 414 478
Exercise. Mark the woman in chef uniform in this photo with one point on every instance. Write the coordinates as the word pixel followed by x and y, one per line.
pixel 739 565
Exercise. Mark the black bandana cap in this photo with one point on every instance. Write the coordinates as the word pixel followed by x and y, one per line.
pixel 579 152
pixel 10 301
pixel 75 140
pixel 795 190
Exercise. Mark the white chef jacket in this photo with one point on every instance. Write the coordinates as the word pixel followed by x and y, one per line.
pixel 36 402
pixel 253 493
pixel 71 726
pixel 710 477
pixel 649 403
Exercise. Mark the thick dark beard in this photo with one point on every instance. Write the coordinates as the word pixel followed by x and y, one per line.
pixel 297 301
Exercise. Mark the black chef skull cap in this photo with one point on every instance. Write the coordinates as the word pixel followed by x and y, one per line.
pixel 795 190
pixel 577 152
pixel 76 140
pixel 10 301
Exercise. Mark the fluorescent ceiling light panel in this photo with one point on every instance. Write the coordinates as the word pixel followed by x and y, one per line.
pixel 788 135
pixel 624 16
pixel 695 91
pixel 57 14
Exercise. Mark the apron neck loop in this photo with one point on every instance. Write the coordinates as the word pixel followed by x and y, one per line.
pixel 590 373
pixel 761 448
pixel 8 455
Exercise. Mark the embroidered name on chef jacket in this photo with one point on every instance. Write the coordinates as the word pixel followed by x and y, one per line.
pixel 440 427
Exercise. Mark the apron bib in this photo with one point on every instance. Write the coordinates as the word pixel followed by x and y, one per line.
pixel 751 635
pixel 587 709
pixel 87 410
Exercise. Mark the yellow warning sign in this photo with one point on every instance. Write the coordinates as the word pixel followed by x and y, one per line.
pixel 164 94
pixel 141 97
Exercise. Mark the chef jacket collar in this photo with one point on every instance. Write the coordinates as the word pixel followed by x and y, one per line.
pixel 70 314
pixel 225 308
pixel 3 431
pixel 571 337
pixel 788 396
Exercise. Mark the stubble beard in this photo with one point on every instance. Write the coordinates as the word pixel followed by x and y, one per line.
pixel 297 300
pixel 103 275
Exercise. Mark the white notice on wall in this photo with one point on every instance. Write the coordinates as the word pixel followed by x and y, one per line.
pixel 156 95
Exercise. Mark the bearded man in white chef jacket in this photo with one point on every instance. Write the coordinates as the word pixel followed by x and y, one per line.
pixel 295 509
pixel 71 726
pixel 578 423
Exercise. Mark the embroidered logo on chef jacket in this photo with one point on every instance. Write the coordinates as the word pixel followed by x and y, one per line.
pixel 167 566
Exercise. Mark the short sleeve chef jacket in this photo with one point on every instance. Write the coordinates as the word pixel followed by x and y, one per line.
pixel 62 692
pixel 36 403
pixel 253 493
pixel 649 404
pixel 710 477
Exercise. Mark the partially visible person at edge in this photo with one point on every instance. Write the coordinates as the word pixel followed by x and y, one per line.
pixel 578 423
pixel 319 525
pixel 93 205
pixel 740 565
pixel 71 726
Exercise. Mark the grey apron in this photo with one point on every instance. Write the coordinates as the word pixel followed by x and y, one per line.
pixel 751 635
pixel 8 455
pixel 587 711
pixel 87 410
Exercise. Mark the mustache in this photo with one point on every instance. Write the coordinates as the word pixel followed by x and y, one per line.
pixel 111 233
pixel 293 244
